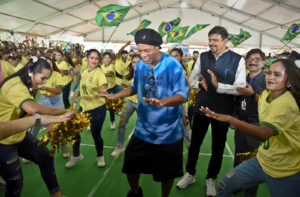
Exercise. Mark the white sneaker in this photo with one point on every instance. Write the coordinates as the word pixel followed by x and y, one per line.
pixel 210 187
pixel 73 161
pixel 118 150
pixel 100 162
pixel 112 125
pixel 26 160
pixel 186 181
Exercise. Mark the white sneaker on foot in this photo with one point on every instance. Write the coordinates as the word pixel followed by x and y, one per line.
pixel 100 162
pixel 112 125
pixel 210 187
pixel 118 150
pixel 187 180
pixel 73 161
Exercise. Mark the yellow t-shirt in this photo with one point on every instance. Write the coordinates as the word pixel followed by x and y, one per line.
pixel 54 80
pixel 90 81
pixel 7 69
pixel 84 64
pixel 121 69
pixel 190 66
pixel 14 94
pixel 279 156
pixel 25 59
pixel 110 80
pixel 63 65
pixel 19 66
pixel 132 98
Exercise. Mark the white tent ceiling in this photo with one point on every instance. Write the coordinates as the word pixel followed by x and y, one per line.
pixel 266 20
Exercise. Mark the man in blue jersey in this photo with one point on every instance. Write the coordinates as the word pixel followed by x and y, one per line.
pixel 161 87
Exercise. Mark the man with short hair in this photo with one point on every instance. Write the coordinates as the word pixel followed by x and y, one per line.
pixel 217 73
pixel 156 145
pixel 247 107
pixel 121 65
pixel 192 62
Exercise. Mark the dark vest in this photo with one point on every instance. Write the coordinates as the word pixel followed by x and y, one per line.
pixel 225 69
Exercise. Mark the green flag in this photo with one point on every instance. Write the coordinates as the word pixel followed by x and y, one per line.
pixel 292 32
pixel 176 35
pixel 111 15
pixel 196 28
pixel 145 23
pixel 165 27
pixel 238 39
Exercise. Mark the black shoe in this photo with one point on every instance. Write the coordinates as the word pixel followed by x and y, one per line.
pixel 139 194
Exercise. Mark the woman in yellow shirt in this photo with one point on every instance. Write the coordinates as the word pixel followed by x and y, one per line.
pixel 65 66
pixel 110 73
pixel 17 100
pixel 277 162
pixel 91 79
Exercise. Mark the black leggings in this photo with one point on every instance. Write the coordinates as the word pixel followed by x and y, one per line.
pixel 11 170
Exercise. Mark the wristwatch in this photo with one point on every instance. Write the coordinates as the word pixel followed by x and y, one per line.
pixel 37 120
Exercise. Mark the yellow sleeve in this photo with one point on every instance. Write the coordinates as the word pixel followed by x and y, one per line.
pixel 17 95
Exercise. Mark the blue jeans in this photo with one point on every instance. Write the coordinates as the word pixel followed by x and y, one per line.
pixel 129 108
pixel 113 90
pixel 98 116
pixel 250 173
pixel 53 101
pixel 11 169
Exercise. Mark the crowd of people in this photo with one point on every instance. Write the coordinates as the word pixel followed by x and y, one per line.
pixel 260 102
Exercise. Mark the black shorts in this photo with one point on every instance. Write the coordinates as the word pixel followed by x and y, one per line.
pixel 163 161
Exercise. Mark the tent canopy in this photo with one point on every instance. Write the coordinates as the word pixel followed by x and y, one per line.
pixel 266 20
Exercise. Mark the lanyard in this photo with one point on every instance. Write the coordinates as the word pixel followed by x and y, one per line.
pixel 250 83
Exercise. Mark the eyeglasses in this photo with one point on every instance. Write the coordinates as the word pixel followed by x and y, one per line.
pixel 255 60
pixel 275 74
pixel 125 54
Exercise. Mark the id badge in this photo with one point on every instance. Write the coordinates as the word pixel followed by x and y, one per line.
pixel 243 105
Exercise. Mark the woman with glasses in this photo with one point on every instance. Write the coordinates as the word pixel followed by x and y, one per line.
pixel 277 162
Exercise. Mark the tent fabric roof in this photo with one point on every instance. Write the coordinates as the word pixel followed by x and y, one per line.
pixel 266 20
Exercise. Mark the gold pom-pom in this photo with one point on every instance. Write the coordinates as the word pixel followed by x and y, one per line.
pixel 192 97
pixel 115 105
pixel 247 155
pixel 62 134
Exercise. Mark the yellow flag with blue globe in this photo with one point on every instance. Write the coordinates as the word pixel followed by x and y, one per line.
pixel 145 23
pixel 165 27
pixel 195 29
pixel 111 15
pixel 292 32
pixel 176 35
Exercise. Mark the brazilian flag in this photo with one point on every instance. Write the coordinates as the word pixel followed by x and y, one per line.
pixel 195 29
pixel 165 27
pixel 176 35
pixel 238 39
pixel 111 15
pixel 145 23
pixel 292 32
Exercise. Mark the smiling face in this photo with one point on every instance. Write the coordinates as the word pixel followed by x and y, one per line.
pixel 40 78
pixel 255 63
pixel 276 78
pixel 216 44
pixel 93 60
pixel 58 56
pixel 149 54
pixel 107 60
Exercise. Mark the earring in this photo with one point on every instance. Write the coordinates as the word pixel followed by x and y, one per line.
pixel 288 85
